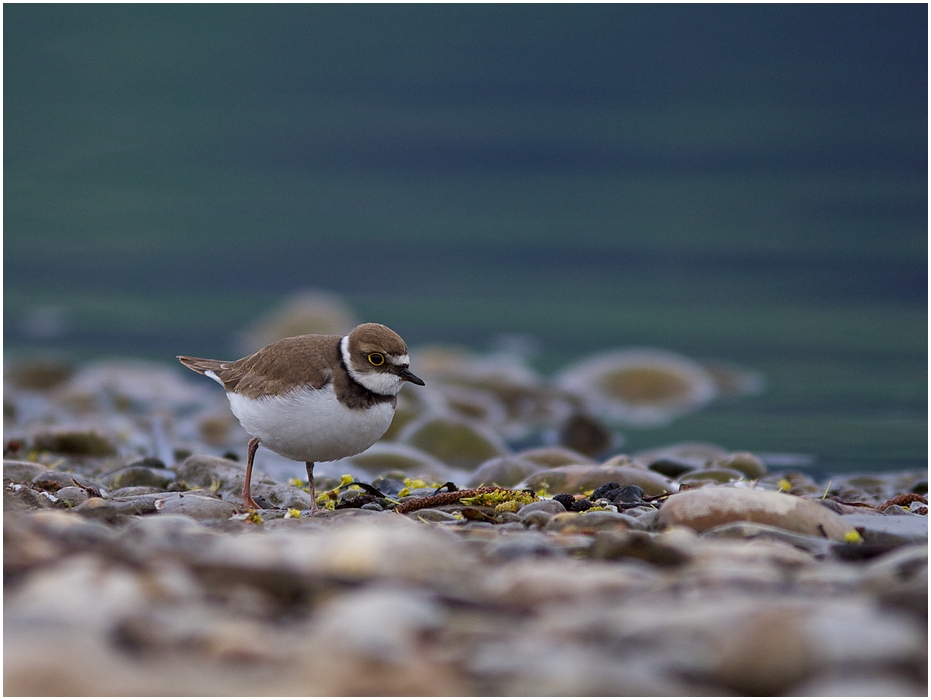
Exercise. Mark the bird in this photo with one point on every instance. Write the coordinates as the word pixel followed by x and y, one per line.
pixel 314 398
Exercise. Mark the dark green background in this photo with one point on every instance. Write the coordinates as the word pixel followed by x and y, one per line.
pixel 747 183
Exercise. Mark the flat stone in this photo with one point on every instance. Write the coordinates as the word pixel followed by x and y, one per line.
pixel 705 508
pixel 748 464
pixel 718 475
pixel 222 476
pixel 71 496
pixel 22 472
pixel 554 456
pixel 55 480
pixel 503 471
pixel 890 530
pixel 196 506
pixel 139 476
pixel 546 506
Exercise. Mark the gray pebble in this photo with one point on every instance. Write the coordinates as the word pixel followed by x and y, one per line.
pixel 196 506
pixel 139 476
pixel 22 472
pixel 536 518
pixel 71 496
pixel 547 506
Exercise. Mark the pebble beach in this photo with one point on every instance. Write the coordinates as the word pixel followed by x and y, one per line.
pixel 497 541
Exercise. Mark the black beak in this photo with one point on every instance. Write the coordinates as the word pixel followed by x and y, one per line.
pixel 409 376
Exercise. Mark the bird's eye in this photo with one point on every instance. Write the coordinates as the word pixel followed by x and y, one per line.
pixel 377 359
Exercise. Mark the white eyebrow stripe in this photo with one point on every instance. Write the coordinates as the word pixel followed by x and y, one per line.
pixel 400 360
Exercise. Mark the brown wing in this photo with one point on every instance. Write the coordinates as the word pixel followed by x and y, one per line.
pixel 303 360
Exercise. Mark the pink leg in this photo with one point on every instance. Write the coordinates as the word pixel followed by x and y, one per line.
pixel 247 486
pixel 310 484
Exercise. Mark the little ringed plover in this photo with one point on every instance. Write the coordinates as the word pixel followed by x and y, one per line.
pixel 314 398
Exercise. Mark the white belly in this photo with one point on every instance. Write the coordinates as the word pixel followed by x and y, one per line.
pixel 311 425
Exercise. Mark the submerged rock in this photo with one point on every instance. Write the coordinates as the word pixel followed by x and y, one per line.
pixel 639 386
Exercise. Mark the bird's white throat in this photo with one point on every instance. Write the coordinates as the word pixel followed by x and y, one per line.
pixel 385 383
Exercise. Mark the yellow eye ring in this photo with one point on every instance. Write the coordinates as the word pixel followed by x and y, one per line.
pixel 377 359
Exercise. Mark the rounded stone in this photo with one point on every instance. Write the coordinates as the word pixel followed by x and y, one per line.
pixel 196 506
pixel 503 471
pixel 718 475
pixel 139 476
pixel 547 457
pixel 544 506
pixel 22 472
pixel 746 463
pixel 639 386
pixel 579 478
pixel 384 457
pixel 705 508
pixel 71 496
pixel 454 441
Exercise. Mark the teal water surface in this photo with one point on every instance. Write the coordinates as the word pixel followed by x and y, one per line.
pixel 746 184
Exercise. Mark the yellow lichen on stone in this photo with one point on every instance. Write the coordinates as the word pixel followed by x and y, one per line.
pixel 853 537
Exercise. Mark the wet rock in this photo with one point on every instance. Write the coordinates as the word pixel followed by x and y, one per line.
pixel 129 491
pixel 434 515
pixel 522 544
pixel 718 475
pixel 21 497
pixel 639 386
pixel 546 506
pixel 503 471
pixel 536 518
pixel 55 480
pixel 900 578
pixel 71 496
pixel 222 476
pixel 116 510
pixel 889 531
pixel 353 656
pixel 139 476
pixel 702 509
pixel 22 472
pixel 853 683
pixel 529 582
pixel 599 520
pixel 282 496
pixel 694 454
pixel 548 457
pixel 670 467
pixel 196 505
pixel 749 465
pixel 615 544
pixel 385 457
pixel 454 441
pixel 750 531
pixel 81 442
pixel 579 478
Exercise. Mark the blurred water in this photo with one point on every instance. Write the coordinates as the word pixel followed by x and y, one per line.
pixel 746 183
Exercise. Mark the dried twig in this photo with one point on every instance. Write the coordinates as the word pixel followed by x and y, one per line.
pixel 904 500
pixel 444 499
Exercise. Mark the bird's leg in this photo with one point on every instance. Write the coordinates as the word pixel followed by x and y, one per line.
pixel 310 486
pixel 247 486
